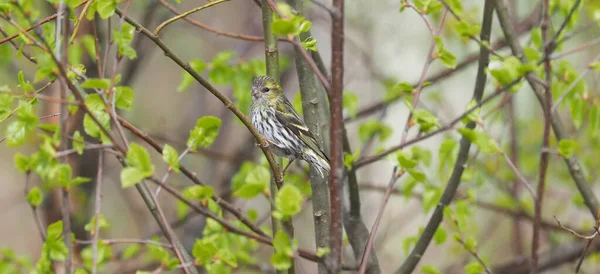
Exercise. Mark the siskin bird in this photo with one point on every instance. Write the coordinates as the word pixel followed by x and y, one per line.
pixel 277 121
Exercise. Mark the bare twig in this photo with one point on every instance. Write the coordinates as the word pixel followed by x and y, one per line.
pixel 97 206
pixel 185 14
pixel 386 197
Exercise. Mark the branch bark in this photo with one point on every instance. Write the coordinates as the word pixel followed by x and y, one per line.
pixel 315 112
pixel 415 256
pixel 335 136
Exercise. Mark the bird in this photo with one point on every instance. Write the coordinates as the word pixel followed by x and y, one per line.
pixel 286 133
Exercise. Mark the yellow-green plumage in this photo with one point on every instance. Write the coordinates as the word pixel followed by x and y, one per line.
pixel 275 118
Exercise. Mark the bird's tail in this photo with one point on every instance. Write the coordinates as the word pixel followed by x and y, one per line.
pixel 319 163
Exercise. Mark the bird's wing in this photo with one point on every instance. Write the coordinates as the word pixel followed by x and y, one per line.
pixel 288 117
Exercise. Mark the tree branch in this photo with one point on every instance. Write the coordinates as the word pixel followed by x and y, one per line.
pixel 417 253
pixel 572 163
pixel 315 112
pixel 336 136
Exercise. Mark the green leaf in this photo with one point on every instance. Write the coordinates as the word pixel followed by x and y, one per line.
pixel 374 128
pixel 292 25
pixel 405 160
pixel 288 201
pixel 474 116
pixel 22 162
pixel 187 79
pixel 425 119
pixel 349 159
pixel 124 98
pixel 96 83
pixel 123 39
pixel 351 103
pixel 466 30
pixel 171 157
pixel 594 117
pixel 199 193
pixel 407 243
pixel 470 243
pixel 91 226
pixel 417 174
pixel 35 196
pixel 204 250
pixel 447 58
pixel 138 157
pixel 61 174
pixel 251 181
pixel 284 250
pixel 205 132
pixel 431 196
pixel 130 251
pixel 26 122
pixel 105 8
pixel 566 147
pixel 310 44
pixel 78 142
pixel 474 268
pixel 322 252
pixel 54 230
pixel 131 176
pixel 440 235
pixel 429 269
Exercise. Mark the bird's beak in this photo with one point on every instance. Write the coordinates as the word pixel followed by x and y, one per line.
pixel 254 92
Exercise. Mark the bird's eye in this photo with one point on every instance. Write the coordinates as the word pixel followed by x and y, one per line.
pixel 265 90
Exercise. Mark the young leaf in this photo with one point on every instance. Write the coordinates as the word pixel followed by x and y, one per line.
pixel 124 98
pixel 205 132
pixel 35 196
pixel 171 157
pixel 288 201
pixel 566 147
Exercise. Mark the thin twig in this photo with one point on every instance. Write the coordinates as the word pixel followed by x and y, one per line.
pixel 36 216
pixel 97 205
pixel 573 84
pixel 474 254
pixel 545 156
pixel 363 261
pixel 185 14
pixel 430 58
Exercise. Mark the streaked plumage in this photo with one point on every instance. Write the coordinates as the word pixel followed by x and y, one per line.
pixel 275 118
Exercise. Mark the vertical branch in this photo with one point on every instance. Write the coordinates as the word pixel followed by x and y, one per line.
pixel 272 63
pixel 62 38
pixel 335 135
pixel 98 202
pixel 315 112
pixel 357 231
pixel 271 52
pixel 544 158
pixel 463 154
pixel 514 158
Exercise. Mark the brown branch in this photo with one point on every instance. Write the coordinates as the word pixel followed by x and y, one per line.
pixel 545 155
pixel 185 14
pixel 335 136
pixel 386 197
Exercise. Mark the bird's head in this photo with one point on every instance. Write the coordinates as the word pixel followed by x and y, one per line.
pixel 266 88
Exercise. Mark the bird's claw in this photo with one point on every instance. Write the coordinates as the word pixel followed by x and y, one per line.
pixel 261 145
